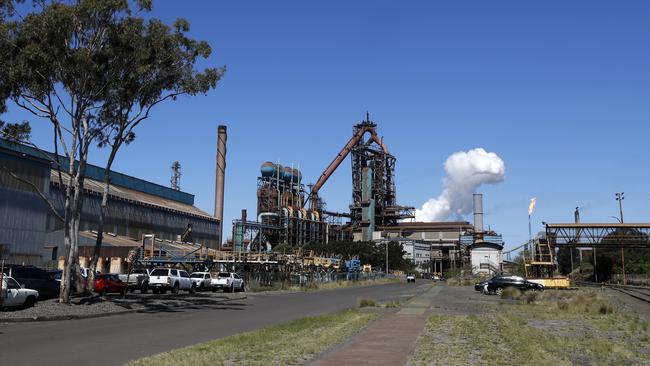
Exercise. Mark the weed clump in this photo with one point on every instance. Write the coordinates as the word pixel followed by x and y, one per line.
pixel 392 304
pixel 511 293
pixel 582 302
pixel 363 303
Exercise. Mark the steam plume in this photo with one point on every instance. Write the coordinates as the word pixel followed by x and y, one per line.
pixel 466 171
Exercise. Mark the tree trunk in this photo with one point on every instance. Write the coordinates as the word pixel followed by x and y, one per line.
pixel 102 216
pixel 73 204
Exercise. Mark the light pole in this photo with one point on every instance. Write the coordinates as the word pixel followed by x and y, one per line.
pixel 622 250
pixel 620 197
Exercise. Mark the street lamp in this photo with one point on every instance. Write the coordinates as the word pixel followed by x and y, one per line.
pixel 622 250
pixel 620 197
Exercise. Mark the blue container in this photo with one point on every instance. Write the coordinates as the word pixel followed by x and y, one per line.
pixel 269 169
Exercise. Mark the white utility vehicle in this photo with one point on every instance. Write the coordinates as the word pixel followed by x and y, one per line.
pixel 163 279
pixel 410 277
pixel 14 295
pixel 202 280
pixel 228 281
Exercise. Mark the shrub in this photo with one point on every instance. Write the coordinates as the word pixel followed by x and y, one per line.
pixel 511 293
pixel 367 303
pixel 392 304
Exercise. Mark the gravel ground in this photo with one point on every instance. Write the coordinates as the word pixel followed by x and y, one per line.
pixel 95 305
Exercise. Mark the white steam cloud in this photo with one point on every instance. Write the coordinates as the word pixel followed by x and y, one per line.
pixel 466 171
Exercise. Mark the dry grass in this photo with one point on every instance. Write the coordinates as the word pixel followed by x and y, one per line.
pixel 291 343
pixel 550 328
pixel 366 303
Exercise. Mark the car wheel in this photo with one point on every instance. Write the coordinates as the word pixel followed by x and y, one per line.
pixel 175 289
pixel 29 302
pixel 144 289
pixel 499 291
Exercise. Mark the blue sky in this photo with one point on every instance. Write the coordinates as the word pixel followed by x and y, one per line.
pixel 560 90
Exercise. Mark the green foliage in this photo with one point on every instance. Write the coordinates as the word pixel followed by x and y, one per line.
pixel 98 60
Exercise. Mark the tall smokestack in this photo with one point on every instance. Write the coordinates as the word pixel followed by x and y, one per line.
pixel 478 212
pixel 220 177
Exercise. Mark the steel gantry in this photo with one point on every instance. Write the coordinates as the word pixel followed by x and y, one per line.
pixel 607 235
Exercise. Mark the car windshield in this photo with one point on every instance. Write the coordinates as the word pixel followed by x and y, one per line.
pixel 11 283
pixel 196 275
pixel 160 272
pixel 224 275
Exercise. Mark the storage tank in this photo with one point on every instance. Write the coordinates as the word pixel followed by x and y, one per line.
pixel 297 176
pixel 287 174
pixel 269 169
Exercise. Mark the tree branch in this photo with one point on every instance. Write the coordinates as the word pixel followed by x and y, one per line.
pixel 35 188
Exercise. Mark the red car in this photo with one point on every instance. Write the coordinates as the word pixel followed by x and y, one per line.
pixel 109 283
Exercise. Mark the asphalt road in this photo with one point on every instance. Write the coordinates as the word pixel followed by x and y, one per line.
pixel 117 339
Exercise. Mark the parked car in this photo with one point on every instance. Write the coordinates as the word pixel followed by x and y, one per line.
pixel 34 278
pixel 163 279
pixel 228 281
pixel 497 284
pixel 410 277
pixel 481 286
pixel 15 295
pixel 59 273
pixel 137 280
pixel 202 280
pixel 109 283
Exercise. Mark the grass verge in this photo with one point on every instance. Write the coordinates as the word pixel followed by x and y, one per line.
pixel 290 343
pixel 553 328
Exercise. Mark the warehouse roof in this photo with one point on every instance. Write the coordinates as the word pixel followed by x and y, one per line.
pixel 116 192
pixel 97 173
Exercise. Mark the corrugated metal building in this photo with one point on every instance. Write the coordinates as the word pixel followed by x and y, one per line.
pixel 30 233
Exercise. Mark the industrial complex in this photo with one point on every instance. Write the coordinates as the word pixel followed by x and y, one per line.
pixel 168 229
pixel 288 212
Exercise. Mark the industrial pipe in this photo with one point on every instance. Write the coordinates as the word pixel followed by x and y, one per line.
pixel 364 128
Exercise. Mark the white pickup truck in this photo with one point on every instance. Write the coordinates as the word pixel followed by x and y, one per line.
pixel 202 280
pixel 228 281
pixel 163 279
pixel 138 279
pixel 14 295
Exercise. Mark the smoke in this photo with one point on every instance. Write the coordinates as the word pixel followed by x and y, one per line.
pixel 466 171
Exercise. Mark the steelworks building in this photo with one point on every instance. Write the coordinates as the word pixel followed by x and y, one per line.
pixel 31 234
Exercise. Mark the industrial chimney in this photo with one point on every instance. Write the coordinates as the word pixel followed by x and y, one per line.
pixel 478 212
pixel 220 177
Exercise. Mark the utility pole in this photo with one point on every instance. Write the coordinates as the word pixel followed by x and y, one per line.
pixel 620 197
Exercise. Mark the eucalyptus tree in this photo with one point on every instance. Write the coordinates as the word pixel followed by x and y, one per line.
pixel 93 70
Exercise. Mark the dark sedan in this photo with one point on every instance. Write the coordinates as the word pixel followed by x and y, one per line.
pixel 498 283
pixel 34 278
pixel 480 286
